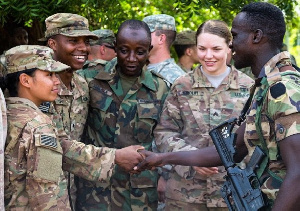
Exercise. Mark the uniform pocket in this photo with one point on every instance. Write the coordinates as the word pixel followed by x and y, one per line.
pixel 48 164
pixel 145 179
pixel 148 114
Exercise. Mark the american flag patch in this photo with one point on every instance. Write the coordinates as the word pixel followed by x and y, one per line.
pixel 48 141
pixel 44 107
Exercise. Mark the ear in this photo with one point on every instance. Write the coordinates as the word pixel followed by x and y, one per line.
pixel 188 51
pixel 102 49
pixel 25 80
pixel 52 44
pixel 162 38
pixel 257 36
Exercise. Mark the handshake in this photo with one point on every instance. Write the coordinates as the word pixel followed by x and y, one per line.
pixel 135 159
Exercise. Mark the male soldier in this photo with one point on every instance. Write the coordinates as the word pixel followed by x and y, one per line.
pixel 102 51
pixel 68 35
pixel 186 50
pixel 163 33
pixel 258 32
pixel 126 101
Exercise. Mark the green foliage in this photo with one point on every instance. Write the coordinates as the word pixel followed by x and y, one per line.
pixel 189 14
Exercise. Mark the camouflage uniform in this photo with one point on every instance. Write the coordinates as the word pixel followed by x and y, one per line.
pixel 35 154
pixel 192 108
pixel 168 69
pixel 185 38
pixel 280 116
pixel 3 133
pixel 117 121
pixel 91 69
pixel 70 106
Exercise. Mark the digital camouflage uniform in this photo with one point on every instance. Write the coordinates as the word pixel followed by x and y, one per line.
pixel 168 69
pixel 192 108
pixel 283 113
pixel 36 154
pixel 118 122
pixel 69 110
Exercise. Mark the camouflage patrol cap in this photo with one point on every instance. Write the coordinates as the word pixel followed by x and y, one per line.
pixel 67 24
pixel 104 36
pixel 24 57
pixel 185 38
pixel 160 22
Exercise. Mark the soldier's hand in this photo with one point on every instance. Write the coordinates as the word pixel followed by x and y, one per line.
pixel 150 162
pixel 129 157
pixel 206 171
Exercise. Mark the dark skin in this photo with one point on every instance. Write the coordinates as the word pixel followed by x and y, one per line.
pixel 255 45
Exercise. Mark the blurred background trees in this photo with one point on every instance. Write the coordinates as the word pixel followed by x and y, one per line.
pixel 189 14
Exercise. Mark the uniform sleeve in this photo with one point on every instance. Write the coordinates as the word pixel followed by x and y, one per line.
pixel 284 106
pixel 168 132
pixel 87 161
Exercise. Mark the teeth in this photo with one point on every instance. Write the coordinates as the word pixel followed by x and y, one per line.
pixel 80 57
pixel 233 53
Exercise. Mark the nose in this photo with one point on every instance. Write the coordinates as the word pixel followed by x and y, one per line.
pixel 131 57
pixel 83 46
pixel 209 53
pixel 55 79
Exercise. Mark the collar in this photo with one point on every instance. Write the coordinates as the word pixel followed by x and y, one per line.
pixel 230 82
pixel 19 100
pixel 94 62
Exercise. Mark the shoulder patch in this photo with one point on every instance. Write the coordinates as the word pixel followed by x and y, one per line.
pixel 48 141
pixel 277 90
pixel 45 107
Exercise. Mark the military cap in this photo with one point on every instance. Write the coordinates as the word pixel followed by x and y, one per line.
pixel 104 36
pixel 185 38
pixel 160 22
pixel 67 24
pixel 24 57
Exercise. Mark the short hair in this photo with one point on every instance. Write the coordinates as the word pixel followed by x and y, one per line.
pixel 216 27
pixel 135 25
pixel 180 49
pixel 12 81
pixel 170 36
pixel 268 18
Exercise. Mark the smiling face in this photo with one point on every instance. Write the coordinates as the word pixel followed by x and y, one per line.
pixel 212 52
pixel 43 87
pixel 132 47
pixel 72 51
pixel 241 43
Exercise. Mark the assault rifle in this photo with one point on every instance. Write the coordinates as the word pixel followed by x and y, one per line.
pixel 241 190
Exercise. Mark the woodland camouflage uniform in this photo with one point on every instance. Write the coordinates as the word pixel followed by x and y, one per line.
pixel 192 108
pixel 36 154
pixel 118 120
pixel 280 117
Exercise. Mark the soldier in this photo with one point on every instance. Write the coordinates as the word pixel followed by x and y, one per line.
pixel 35 154
pixel 272 121
pixel 186 50
pixel 126 101
pixel 163 33
pixel 69 36
pixel 213 92
pixel 102 51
